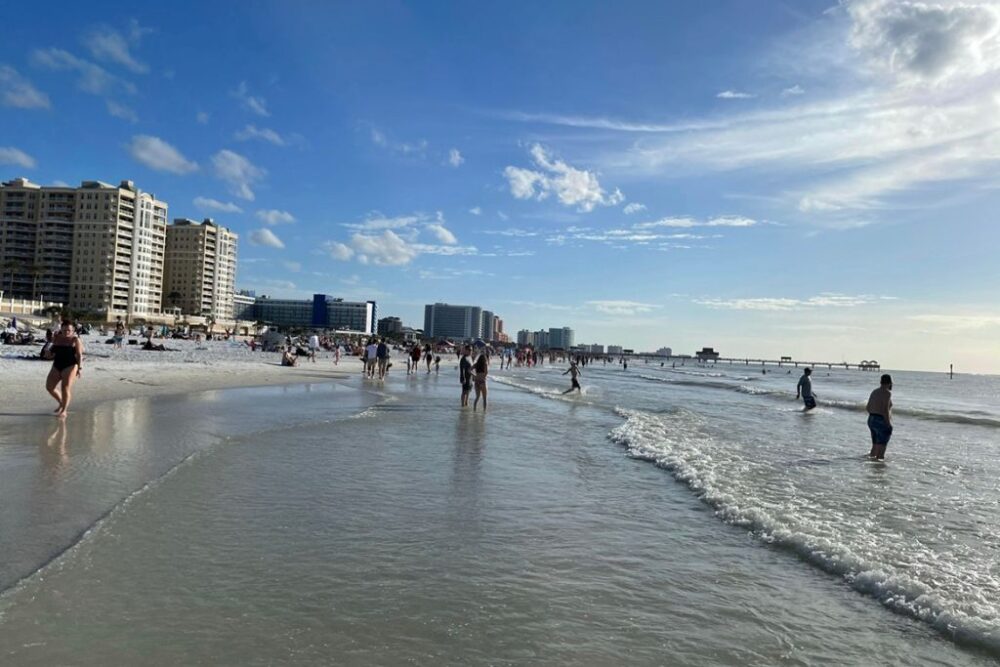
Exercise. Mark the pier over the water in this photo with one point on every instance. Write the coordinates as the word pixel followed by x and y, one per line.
pixel 748 361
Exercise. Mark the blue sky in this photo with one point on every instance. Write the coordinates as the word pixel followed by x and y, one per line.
pixel 808 178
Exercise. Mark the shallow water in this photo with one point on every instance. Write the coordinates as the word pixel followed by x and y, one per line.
pixel 649 521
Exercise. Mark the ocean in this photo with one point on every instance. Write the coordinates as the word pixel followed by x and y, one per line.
pixel 684 516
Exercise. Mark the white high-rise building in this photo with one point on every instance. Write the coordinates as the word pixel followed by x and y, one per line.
pixel 442 320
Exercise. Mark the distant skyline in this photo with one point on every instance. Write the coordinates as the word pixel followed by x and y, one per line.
pixel 814 179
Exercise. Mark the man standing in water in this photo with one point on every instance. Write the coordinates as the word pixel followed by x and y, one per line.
pixel 805 389
pixel 574 373
pixel 465 375
pixel 880 417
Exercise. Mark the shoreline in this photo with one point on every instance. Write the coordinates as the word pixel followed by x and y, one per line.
pixel 133 373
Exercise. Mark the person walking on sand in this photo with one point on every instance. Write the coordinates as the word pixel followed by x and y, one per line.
pixel 428 354
pixel 805 390
pixel 880 417
pixel 465 375
pixel 119 337
pixel 67 366
pixel 574 374
pixel 313 347
pixel 481 369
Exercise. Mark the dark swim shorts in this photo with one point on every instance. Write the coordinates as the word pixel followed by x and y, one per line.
pixel 810 402
pixel 466 386
pixel 880 428
pixel 576 384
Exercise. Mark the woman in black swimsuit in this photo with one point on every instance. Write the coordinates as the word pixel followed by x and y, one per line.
pixel 67 363
pixel 480 370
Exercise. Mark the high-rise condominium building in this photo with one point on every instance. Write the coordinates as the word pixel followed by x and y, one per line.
pixel 322 312
pixel 200 269
pixel 97 247
pixel 36 240
pixel 119 241
pixel 442 320
pixel 561 338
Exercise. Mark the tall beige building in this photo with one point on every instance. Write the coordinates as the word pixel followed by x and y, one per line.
pixel 119 241
pixel 36 240
pixel 200 271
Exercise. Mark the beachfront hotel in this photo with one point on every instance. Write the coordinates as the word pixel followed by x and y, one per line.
pixel 443 320
pixel 98 247
pixel 556 338
pixel 200 269
pixel 321 312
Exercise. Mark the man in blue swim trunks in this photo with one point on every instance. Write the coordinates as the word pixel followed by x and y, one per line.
pixel 880 417
pixel 805 389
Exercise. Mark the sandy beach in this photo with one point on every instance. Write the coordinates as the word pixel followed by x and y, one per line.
pixel 132 372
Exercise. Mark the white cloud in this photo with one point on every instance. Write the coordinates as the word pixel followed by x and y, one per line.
pixel 238 172
pixel 949 323
pixel 109 45
pixel 387 249
pixel 377 221
pixel 512 232
pixel 265 237
pixel 475 210
pixel 572 187
pixel 121 111
pixel 685 222
pixel 294 267
pixel 209 204
pixel 455 158
pixel 928 41
pixel 275 217
pixel 408 149
pixel 442 233
pixel 793 91
pixel 734 95
pixel 92 79
pixel 826 300
pixel 621 307
pixel 202 117
pixel 18 92
pixel 340 251
pixel 15 156
pixel 264 134
pixel 158 155
pixel 256 104
pixel 634 207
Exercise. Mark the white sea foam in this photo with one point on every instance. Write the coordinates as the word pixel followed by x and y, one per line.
pixel 942 585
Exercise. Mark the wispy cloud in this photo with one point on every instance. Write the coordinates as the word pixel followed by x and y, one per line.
pixel 455 158
pixel 634 207
pixel 685 222
pixel 253 103
pixel 209 204
pixel 108 45
pixel 734 95
pixel 825 300
pixel 275 217
pixel 202 117
pixel 625 308
pixel 475 210
pixel 18 92
pixel 158 155
pixel 793 91
pixel 265 237
pixel 121 111
pixel 416 149
pixel 238 172
pixel 17 157
pixel 251 131
pixel 571 186
pixel 91 79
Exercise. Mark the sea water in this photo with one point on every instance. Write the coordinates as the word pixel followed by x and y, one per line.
pixel 682 516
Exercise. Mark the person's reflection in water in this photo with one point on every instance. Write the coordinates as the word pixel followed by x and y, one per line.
pixel 54 453
pixel 470 436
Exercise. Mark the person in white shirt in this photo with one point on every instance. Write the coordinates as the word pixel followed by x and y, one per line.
pixel 313 347
pixel 371 352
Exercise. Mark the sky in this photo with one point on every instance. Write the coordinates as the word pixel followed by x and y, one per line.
pixel 814 179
